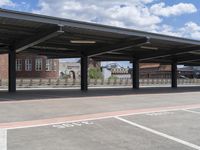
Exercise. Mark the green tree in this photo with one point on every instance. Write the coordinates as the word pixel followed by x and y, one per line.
pixel 95 73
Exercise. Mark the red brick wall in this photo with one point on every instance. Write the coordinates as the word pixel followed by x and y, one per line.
pixel 28 74
pixel 3 66
pixel 34 73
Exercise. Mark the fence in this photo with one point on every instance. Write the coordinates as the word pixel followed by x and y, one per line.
pixel 95 82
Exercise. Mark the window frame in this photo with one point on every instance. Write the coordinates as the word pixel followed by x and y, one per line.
pixel 38 64
pixel 28 64
pixel 49 66
pixel 19 65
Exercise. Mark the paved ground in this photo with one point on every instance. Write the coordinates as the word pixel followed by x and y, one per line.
pixel 113 119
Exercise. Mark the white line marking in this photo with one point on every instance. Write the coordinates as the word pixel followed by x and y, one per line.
pixel 191 111
pixel 3 139
pixel 160 134
pixel 70 125
pixel 160 113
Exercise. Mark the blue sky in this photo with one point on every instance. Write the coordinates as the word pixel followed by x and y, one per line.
pixel 181 20
pixel 173 17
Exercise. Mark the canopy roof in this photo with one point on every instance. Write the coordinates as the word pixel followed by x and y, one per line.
pixel 64 38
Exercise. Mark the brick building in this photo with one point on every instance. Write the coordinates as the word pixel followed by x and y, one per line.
pixel 155 70
pixel 147 70
pixel 3 66
pixel 31 66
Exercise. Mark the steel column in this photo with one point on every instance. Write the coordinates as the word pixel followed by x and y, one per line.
pixel 84 72
pixel 136 74
pixel 174 74
pixel 12 70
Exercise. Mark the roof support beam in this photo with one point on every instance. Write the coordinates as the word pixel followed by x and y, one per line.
pixel 118 46
pixel 190 60
pixel 60 54
pixel 40 37
pixel 187 58
pixel 177 51
pixel 50 51
pixel 49 48
pixel 191 64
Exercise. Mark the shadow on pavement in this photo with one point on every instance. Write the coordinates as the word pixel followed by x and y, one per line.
pixel 76 93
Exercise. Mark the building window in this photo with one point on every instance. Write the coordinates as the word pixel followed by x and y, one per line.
pixel 18 65
pixel 49 65
pixel 28 65
pixel 38 64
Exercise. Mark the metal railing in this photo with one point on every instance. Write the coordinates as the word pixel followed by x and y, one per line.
pixel 95 82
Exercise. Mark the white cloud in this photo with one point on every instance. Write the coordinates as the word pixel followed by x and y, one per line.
pixel 134 14
pixel 6 3
pixel 168 30
pixel 129 13
pixel 191 29
pixel 161 9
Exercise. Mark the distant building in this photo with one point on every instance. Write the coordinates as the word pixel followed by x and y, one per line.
pixel 121 73
pixel 106 73
pixel 189 72
pixel 150 70
pixel 154 70
pixel 146 71
pixel 92 63
pixel 31 66
pixel 72 69
pixel 69 70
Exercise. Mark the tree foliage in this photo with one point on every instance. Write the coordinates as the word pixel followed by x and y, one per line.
pixel 95 73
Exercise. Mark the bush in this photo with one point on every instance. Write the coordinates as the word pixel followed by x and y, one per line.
pixel 113 78
pixel 95 73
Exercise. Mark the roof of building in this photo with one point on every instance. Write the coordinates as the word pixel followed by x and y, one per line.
pixel 52 36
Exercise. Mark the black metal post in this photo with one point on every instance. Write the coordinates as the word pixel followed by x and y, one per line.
pixel 12 70
pixel 84 72
pixel 136 74
pixel 174 74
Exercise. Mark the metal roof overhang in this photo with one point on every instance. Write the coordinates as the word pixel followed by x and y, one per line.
pixel 51 36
